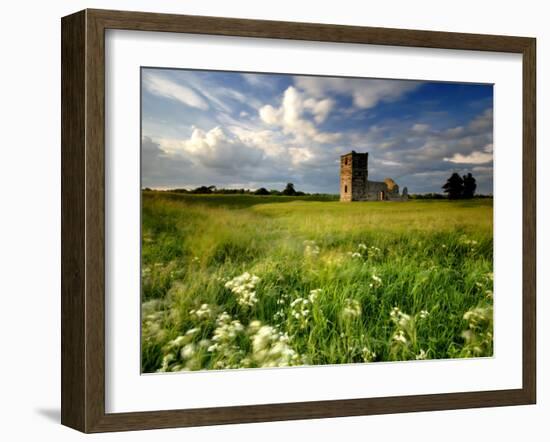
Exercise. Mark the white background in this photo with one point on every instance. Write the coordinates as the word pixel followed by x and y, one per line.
pixel 128 391
pixel 30 221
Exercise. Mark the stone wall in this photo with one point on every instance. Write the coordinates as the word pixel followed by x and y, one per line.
pixel 353 176
pixel 355 186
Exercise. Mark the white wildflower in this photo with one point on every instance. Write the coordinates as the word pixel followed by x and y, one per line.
pixel 270 348
pixel 166 360
pixel 478 316
pixel 177 342
pixel 225 345
pixel 300 310
pixel 478 336
pixel 203 312
pixel 314 294
pixel 352 309
pixel 399 337
pixel 243 287
pixel 368 355
pixel 191 331
pixel 376 281
pixel 374 252
pixel 311 248
pixel 421 355
pixel 188 351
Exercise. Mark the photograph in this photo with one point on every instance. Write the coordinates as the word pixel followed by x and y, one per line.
pixel 307 220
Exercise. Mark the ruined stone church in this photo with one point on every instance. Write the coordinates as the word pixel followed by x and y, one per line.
pixel 355 185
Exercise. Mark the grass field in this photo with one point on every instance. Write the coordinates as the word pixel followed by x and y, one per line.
pixel 235 281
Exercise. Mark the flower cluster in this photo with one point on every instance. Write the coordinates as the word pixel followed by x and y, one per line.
pixel 243 288
pixel 471 244
pixel 376 281
pixel 202 313
pixel 311 248
pixel 478 317
pixel 225 348
pixel 352 309
pixel 402 320
pixel 153 315
pixel 468 242
pixel 366 252
pixel 423 314
pixel 421 355
pixel 314 294
pixel 368 355
pixel 478 336
pixel 181 353
pixel 270 347
pixel 300 310
pixel 403 340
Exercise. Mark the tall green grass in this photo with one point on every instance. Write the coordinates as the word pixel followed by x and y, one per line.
pixel 324 282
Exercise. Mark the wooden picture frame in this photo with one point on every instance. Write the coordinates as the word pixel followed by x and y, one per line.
pixel 83 220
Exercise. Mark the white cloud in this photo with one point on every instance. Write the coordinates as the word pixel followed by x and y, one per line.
pixel 256 80
pixel 290 117
pixel 161 86
pixel 366 93
pixel 214 148
pixel 320 109
pixel 300 155
pixel 270 115
pixel 475 157
pixel 455 131
pixel 420 128
pixel 261 139
pixel 483 121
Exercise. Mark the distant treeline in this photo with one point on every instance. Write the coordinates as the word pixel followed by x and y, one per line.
pixel 438 196
pixel 454 188
pixel 289 190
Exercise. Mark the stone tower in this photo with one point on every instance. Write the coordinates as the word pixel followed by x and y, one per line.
pixel 354 176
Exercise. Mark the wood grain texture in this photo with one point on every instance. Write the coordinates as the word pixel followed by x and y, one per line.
pixel 529 221
pixel 73 253
pixel 83 220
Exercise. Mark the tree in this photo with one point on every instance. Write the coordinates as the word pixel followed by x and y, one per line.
pixel 289 190
pixel 261 191
pixel 204 189
pixel 469 186
pixel 454 187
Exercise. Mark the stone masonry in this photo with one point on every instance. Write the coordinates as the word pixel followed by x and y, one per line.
pixel 355 186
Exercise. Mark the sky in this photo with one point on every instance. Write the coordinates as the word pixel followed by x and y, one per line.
pixel 250 130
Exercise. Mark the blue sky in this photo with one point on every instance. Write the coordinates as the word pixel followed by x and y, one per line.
pixel 236 130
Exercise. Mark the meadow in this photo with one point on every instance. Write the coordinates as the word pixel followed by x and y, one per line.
pixel 244 281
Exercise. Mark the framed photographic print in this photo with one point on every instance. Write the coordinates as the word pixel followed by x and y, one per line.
pixel 268 220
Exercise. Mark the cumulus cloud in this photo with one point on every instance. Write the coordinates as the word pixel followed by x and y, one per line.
pixel 366 93
pixel 300 155
pixel 290 116
pixel 475 157
pixel 164 87
pixel 472 158
pixel 159 168
pixel 217 149
pixel 260 139
pixel 420 128
pixel 483 121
